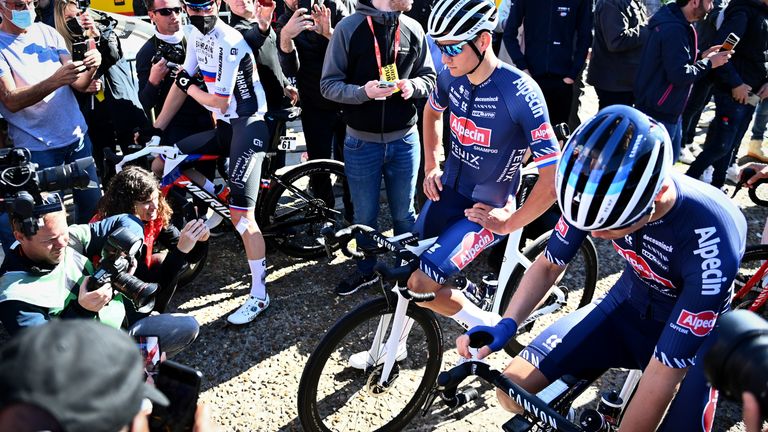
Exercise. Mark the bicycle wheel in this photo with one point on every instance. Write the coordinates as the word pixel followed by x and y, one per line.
pixel 754 256
pixel 573 289
pixel 335 397
pixel 300 203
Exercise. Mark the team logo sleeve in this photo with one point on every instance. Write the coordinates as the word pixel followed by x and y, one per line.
pixel 564 243
pixel 228 61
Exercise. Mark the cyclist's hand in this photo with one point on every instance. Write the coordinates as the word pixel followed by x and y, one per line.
pixel 495 219
pixel 500 334
pixel 761 172
pixel 192 232
pixel 752 420
pixel 143 135
pixel 433 183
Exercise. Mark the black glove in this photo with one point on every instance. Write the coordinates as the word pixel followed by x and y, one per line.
pixel 184 81
pixel 143 135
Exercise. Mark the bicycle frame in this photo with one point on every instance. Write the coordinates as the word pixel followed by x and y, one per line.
pixel 750 284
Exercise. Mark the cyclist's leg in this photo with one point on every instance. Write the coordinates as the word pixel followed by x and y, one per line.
pixel 249 138
pixel 200 143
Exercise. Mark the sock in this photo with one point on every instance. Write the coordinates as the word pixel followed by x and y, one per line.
pixel 208 186
pixel 258 278
pixel 471 316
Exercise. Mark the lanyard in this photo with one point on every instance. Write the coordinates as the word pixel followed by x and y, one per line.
pixel 376 43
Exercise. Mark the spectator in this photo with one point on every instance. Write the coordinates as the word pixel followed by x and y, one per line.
pixel 36 99
pixel 621 28
pixel 557 38
pixel 44 277
pixel 758 133
pixel 375 44
pixel 136 191
pixel 734 84
pixel 302 50
pixel 670 64
pixel 111 105
pixel 156 76
pixel 73 376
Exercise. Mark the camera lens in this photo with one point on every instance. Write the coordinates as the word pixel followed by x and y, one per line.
pixel 738 359
pixel 141 293
pixel 73 175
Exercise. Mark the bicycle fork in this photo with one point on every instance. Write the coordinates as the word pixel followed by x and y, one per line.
pixel 401 327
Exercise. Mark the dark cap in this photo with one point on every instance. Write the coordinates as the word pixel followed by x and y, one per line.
pixel 87 375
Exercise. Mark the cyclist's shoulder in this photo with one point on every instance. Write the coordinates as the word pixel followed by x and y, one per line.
pixel 521 94
pixel 227 36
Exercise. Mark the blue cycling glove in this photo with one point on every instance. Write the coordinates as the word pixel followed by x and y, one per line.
pixel 500 334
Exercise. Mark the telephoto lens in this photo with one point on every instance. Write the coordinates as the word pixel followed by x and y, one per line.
pixel 72 175
pixel 738 359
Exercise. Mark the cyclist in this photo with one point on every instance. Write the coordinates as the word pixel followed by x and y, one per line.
pixel 683 241
pixel 236 99
pixel 497 114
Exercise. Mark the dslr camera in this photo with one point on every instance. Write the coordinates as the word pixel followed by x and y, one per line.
pixel 117 256
pixel 173 54
pixel 738 359
pixel 21 184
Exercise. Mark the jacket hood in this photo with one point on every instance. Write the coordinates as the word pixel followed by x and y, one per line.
pixel 670 13
pixel 365 7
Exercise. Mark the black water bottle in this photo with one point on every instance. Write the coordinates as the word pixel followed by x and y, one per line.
pixel 610 407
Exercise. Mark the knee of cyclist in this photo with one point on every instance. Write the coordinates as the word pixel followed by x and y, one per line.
pixel 244 222
pixel 158 166
pixel 507 403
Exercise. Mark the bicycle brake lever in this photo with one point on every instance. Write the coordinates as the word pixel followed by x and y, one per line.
pixel 745 175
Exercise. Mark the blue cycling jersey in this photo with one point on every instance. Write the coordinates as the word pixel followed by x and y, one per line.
pixel 492 126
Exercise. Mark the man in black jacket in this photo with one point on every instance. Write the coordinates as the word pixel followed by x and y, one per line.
pixel 557 38
pixel 737 85
pixel 376 63
pixel 155 68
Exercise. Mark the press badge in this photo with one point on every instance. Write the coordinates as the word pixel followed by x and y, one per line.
pixel 389 73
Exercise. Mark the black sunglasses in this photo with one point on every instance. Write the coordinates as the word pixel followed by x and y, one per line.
pixel 168 11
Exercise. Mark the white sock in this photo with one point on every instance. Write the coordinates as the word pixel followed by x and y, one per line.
pixel 471 315
pixel 208 186
pixel 258 278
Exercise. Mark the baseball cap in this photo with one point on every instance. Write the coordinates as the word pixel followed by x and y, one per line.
pixel 87 375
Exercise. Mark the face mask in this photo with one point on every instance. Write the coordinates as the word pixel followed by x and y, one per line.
pixel 203 23
pixel 23 19
pixel 74 27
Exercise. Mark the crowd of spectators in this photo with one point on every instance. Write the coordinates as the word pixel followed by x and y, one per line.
pixel 361 70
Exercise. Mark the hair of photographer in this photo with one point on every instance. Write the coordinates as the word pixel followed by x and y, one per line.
pixel 61 368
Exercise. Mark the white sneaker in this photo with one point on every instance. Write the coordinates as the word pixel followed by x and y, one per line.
pixel 695 149
pixel 249 310
pixel 732 173
pixel 363 360
pixel 706 176
pixel 686 155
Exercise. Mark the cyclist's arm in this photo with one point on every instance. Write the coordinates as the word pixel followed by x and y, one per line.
pixel 433 138
pixel 218 101
pixel 656 390
pixel 533 286
pixel 171 106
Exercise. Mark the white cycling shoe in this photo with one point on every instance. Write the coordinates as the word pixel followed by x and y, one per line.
pixel 249 310
pixel 364 360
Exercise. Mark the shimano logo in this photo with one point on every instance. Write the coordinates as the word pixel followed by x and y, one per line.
pixel 471 245
pixel 700 324
pixel 530 95
pixel 469 133
pixel 711 275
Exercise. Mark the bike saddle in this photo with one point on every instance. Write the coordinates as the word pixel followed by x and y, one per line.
pixel 284 114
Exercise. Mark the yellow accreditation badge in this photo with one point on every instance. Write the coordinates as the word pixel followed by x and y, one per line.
pixel 100 95
pixel 389 73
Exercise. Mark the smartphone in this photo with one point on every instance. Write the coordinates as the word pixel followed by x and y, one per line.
pixel 190 212
pixel 753 99
pixel 386 84
pixel 306 4
pixel 730 42
pixel 79 49
pixel 149 346
pixel 181 385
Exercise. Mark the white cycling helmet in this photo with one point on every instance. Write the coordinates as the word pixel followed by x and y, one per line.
pixel 612 168
pixel 461 20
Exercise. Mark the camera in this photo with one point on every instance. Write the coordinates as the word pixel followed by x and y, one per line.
pixel 21 183
pixel 173 54
pixel 83 4
pixel 738 359
pixel 118 251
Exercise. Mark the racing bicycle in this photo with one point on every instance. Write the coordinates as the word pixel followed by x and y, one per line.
pixel 294 204
pixel 403 342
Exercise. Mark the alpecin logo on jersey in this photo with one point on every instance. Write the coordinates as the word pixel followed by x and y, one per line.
pixel 472 244
pixel 469 133
pixel 700 324
pixel 641 266
pixel 561 227
pixel 543 133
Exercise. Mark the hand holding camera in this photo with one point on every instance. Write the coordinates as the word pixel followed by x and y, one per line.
pixel 95 299
pixel 158 71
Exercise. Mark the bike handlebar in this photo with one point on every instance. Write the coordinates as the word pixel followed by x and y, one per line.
pixel 745 175
pixel 448 382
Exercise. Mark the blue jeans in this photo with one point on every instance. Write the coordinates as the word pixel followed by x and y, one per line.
pixel 364 163
pixel 724 135
pixel 761 119
pixel 675 131
pixel 85 199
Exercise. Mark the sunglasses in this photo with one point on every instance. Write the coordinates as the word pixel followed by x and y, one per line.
pixel 200 7
pixel 168 11
pixel 453 50
pixel 20 6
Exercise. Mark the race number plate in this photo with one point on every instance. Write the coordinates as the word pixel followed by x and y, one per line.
pixel 287 143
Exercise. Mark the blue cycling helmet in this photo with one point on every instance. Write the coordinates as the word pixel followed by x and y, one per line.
pixel 612 168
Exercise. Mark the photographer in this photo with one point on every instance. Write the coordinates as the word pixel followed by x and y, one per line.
pixel 111 103
pixel 45 276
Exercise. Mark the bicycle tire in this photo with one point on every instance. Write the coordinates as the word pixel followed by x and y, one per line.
pixel 289 223
pixel 329 360
pixel 582 286
pixel 753 258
